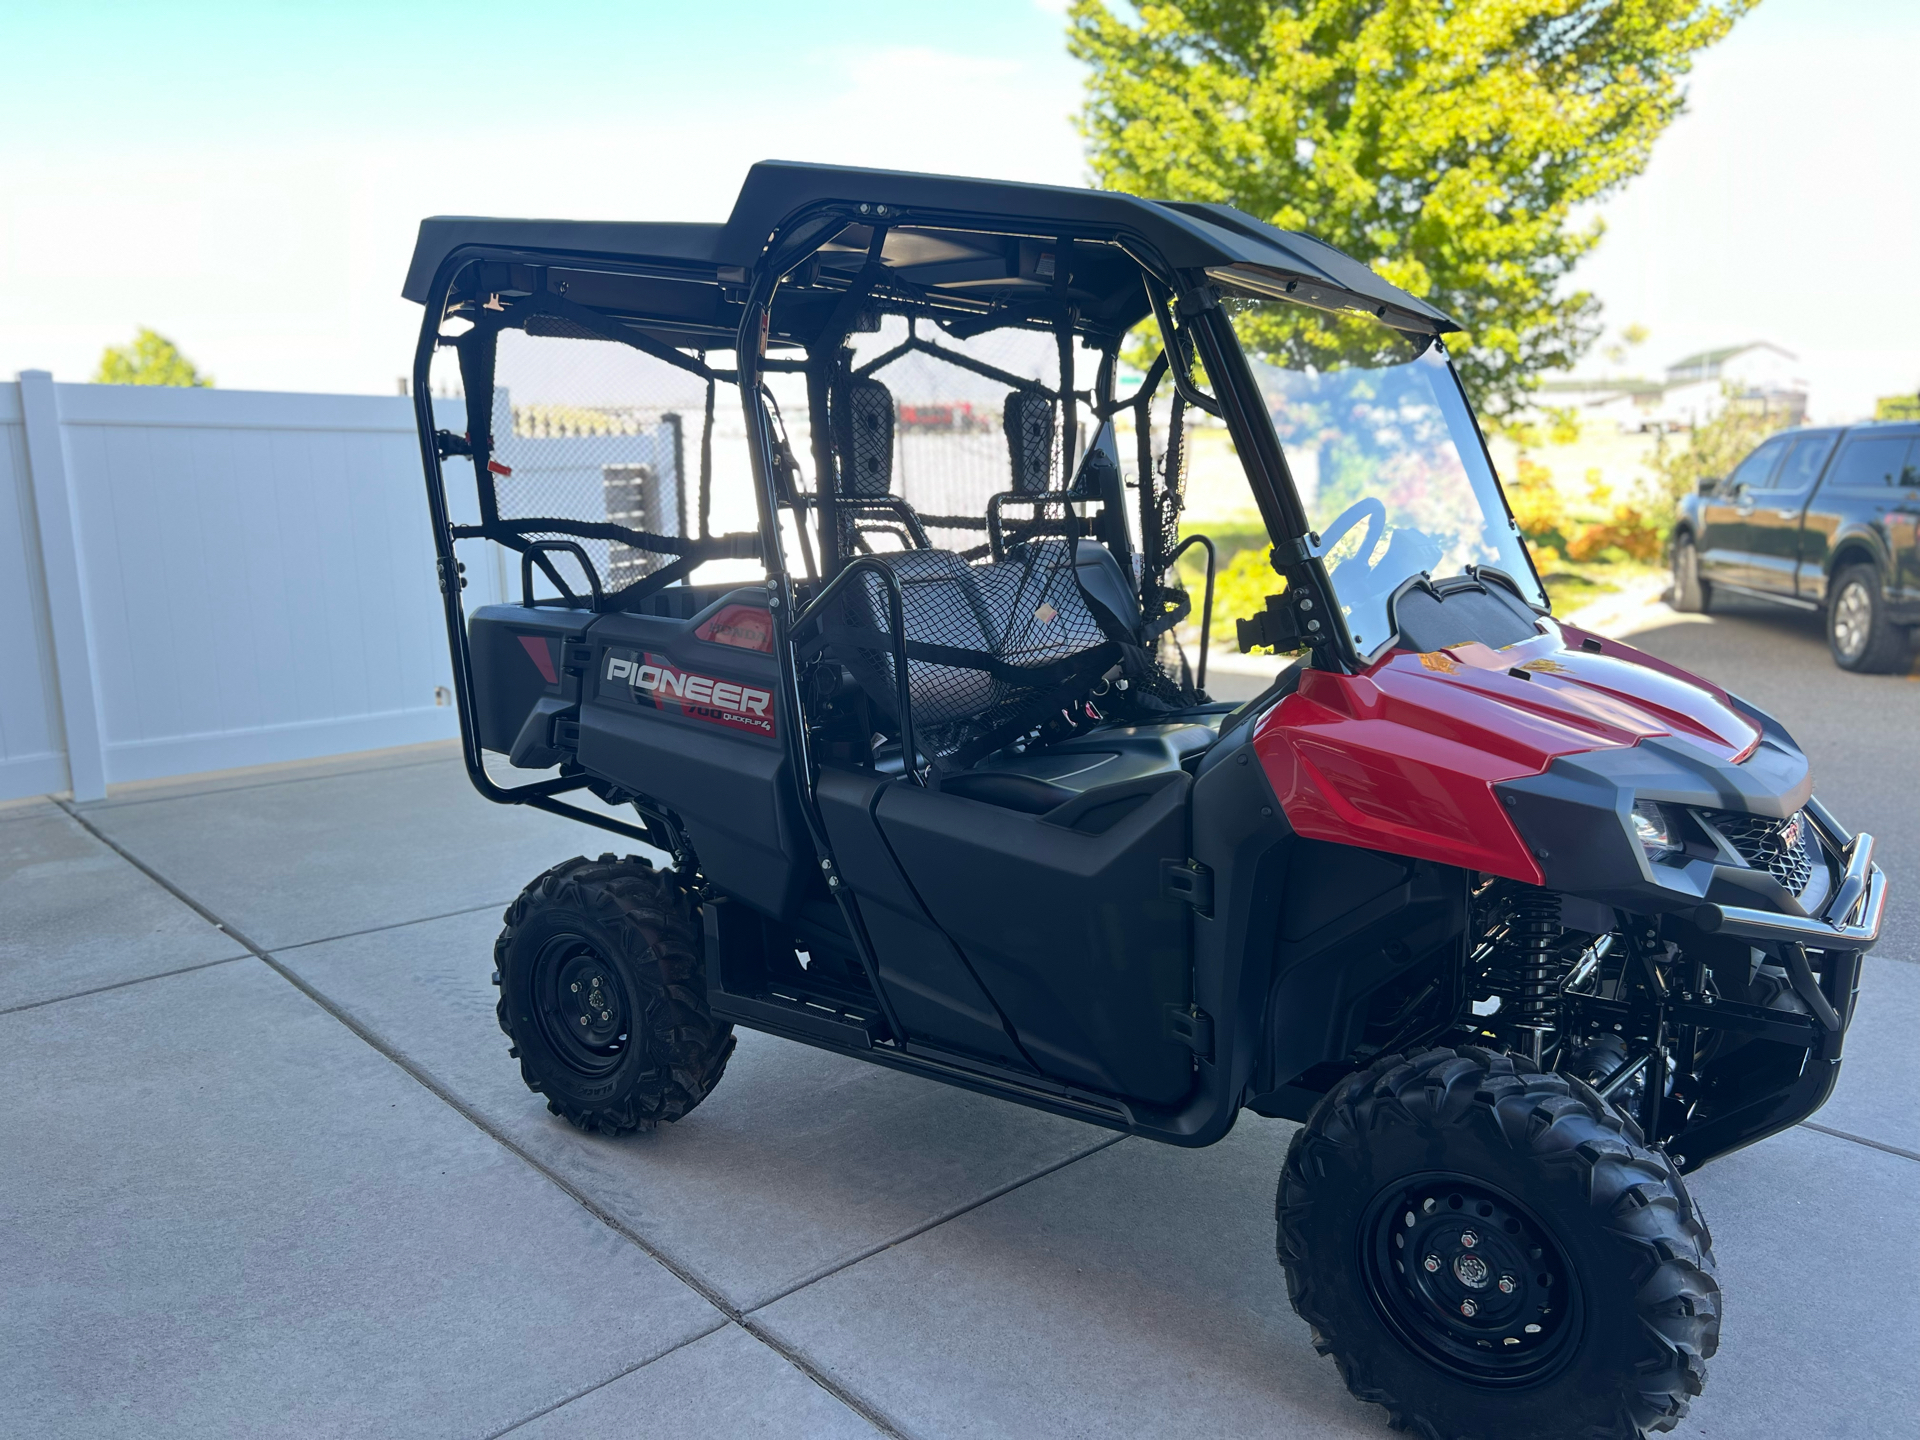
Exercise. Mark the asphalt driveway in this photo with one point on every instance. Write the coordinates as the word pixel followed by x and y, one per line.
pixel 266 1168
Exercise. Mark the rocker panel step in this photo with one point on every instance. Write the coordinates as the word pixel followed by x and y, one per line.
pixel 794 1010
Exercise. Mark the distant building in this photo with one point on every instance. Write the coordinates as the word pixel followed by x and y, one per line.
pixel 1696 388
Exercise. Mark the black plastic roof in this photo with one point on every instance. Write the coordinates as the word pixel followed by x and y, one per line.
pixel 441 235
pixel 1187 236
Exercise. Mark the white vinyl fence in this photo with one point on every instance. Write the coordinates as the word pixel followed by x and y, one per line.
pixel 200 579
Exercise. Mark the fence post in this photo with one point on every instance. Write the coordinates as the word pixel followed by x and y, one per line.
pixel 61 562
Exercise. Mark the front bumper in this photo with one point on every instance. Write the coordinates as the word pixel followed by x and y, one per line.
pixel 1850 920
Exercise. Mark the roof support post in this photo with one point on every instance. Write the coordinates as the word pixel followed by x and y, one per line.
pixel 826 481
pixel 1063 331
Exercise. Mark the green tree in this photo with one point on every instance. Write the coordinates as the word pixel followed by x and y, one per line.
pixel 1712 450
pixel 151 359
pixel 1446 143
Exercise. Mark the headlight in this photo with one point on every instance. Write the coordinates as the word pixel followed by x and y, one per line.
pixel 1653 830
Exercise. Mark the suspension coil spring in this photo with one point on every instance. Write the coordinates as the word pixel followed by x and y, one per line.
pixel 1536 932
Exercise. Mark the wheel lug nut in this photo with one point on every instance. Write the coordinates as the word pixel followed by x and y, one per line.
pixel 1469 1309
pixel 1506 1284
pixel 606 1015
pixel 1469 1239
pixel 1432 1262
pixel 576 987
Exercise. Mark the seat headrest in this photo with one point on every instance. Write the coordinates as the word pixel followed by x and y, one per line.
pixel 1028 419
pixel 863 433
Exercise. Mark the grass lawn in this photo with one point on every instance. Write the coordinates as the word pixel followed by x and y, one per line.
pixel 1571 584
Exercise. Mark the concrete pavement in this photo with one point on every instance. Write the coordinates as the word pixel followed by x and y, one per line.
pixel 267 1168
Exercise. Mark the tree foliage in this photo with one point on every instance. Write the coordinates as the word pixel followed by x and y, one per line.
pixel 1714 447
pixel 1446 143
pixel 151 359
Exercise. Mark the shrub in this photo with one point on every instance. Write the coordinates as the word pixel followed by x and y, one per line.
pixel 1712 449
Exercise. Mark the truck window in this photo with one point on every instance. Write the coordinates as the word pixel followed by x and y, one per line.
pixel 1753 472
pixel 1871 462
pixel 1803 464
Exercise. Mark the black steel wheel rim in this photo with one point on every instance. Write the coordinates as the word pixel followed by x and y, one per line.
pixel 1470 1280
pixel 581 1005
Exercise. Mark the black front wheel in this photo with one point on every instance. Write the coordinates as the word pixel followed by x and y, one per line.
pixel 603 994
pixel 1859 633
pixel 1489 1251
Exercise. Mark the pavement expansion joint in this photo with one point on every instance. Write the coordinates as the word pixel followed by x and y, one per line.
pixel 860 1406
pixel 934 1222
pixel 395 925
pixel 1860 1140
pixel 123 984
pixel 597 1385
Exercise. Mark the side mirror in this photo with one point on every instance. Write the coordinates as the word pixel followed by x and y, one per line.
pixel 1709 484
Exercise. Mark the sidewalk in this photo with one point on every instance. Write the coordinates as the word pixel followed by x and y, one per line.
pixel 268 1169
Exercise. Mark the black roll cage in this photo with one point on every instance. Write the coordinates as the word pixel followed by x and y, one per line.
pixel 1186 308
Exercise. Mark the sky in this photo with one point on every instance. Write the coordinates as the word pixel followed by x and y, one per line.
pixel 246 178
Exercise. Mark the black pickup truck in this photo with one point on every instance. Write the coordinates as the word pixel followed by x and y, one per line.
pixel 1822 519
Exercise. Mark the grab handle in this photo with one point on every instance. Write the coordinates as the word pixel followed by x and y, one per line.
pixel 526 573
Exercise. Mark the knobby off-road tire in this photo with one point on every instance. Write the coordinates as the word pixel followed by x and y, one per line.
pixel 1493 1175
pixel 1690 595
pixel 603 994
pixel 1859 634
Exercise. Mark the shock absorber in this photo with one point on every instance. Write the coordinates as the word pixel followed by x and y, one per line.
pixel 1535 933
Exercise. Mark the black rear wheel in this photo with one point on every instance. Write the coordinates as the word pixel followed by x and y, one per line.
pixel 1690 594
pixel 1489 1251
pixel 603 993
pixel 1859 633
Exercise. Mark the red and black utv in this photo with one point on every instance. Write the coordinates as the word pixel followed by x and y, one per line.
pixel 856 541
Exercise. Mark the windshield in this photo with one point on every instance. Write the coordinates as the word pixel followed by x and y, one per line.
pixel 1389 466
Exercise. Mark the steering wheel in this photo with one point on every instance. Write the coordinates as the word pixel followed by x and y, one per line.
pixel 1355 568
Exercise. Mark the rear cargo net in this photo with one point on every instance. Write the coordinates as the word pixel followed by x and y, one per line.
pixel 602 437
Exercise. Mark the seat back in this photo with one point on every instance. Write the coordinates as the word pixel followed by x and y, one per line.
pixel 862 418
pixel 985 643
pixel 1061 512
pixel 1101 580
pixel 1028 421
pixel 940 607
pixel 863 433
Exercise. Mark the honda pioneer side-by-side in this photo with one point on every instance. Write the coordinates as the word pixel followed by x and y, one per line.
pixel 840 558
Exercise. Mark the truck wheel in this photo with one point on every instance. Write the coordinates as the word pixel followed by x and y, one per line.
pixel 1691 594
pixel 1859 634
pixel 603 993
pixel 1489 1251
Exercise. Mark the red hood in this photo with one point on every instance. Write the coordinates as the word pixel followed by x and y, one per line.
pixel 1403 757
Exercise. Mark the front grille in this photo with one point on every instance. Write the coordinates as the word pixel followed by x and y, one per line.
pixel 1780 847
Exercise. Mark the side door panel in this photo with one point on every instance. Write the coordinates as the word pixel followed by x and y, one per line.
pixel 1720 531
pixel 1860 500
pixel 937 997
pixel 1070 931
pixel 1904 528
pixel 1726 544
pixel 1774 524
